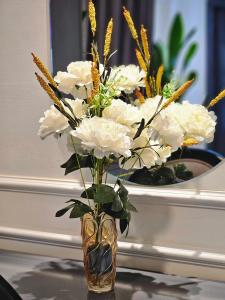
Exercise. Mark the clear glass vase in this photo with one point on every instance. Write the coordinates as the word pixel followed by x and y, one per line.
pixel 99 237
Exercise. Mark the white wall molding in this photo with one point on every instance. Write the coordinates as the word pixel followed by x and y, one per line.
pixel 144 195
pixel 127 249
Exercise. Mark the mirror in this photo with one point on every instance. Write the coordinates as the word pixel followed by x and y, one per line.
pixel 193 29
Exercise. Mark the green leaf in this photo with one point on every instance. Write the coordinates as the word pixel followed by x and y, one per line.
pixel 104 194
pixel 76 161
pixel 192 75
pixel 182 172
pixel 89 192
pixel 62 211
pixel 123 225
pixel 140 129
pixel 79 209
pixel 189 35
pixel 131 207
pixel 160 55
pixel 123 192
pixel 163 176
pixel 117 204
pixel 176 38
pixel 189 54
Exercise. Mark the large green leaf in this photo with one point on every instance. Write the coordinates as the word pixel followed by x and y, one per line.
pixel 117 204
pixel 189 35
pixel 62 211
pixel 176 38
pixel 159 53
pixel 192 49
pixel 89 192
pixel 76 162
pixel 79 209
pixel 104 194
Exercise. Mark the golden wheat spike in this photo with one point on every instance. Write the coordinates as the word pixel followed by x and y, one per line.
pixel 43 69
pixel 108 38
pixel 139 96
pixel 140 60
pixel 95 79
pixel 147 87
pixel 190 142
pixel 176 95
pixel 159 79
pixel 130 23
pixel 48 90
pixel 145 45
pixel 219 97
pixel 92 16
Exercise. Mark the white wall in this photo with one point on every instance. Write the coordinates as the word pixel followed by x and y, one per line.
pixel 195 16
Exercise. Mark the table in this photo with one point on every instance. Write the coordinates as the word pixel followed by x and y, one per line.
pixel 45 278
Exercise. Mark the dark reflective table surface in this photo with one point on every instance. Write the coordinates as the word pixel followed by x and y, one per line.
pixel 44 278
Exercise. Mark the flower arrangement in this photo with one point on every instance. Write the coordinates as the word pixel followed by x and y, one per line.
pixel 121 114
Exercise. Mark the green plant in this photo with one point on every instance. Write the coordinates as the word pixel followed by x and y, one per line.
pixel 167 54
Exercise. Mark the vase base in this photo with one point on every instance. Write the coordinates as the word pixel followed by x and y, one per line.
pixel 99 290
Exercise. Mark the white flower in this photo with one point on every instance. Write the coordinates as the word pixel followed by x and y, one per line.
pixel 149 107
pixel 121 112
pixel 163 127
pixel 66 82
pixel 146 153
pixel 77 80
pixel 81 71
pixel 194 120
pixel 74 145
pixel 78 106
pixel 143 157
pixel 54 122
pixel 126 78
pixel 104 137
pixel 167 131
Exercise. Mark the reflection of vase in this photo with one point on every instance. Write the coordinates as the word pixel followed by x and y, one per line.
pixel 99 246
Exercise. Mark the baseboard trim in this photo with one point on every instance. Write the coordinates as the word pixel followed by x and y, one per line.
pixel 141 194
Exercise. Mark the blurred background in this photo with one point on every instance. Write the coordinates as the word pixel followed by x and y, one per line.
pixel 186 36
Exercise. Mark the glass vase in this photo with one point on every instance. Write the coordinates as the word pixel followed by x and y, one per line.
pixel 99 238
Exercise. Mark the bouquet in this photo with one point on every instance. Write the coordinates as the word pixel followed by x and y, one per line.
pixel 117 114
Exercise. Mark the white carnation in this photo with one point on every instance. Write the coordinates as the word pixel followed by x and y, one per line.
pixel 163 127
pixel 149 107
pixel 194 120
pixel 126 78
pixel 121 112
pixel 77 80
pixel 167 131
pixel 104 137
pixel 146 153
pixel 66 82
pixel 78 106
pixel 54 122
